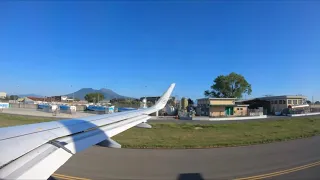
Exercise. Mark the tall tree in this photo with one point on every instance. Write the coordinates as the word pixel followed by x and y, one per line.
pixel 317 102
pixel 94 97
pixel 308 102
pixel 190 102
pixel 230 86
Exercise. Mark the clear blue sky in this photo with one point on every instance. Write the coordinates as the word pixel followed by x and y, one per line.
pixel 47 46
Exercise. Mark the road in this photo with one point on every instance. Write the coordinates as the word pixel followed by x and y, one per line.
pixel 281 160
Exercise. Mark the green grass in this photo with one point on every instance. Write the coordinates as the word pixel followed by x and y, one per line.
pixel 219 135
pixel 171 135
pixel 13 120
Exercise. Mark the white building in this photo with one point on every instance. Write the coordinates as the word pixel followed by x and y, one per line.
pixel 3 95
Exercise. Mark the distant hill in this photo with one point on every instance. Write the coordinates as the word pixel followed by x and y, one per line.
pixel 30 95
pixel 108 94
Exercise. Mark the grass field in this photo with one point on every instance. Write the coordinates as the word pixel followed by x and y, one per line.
pixel 13 120
pixel 171 135
pixel 219 135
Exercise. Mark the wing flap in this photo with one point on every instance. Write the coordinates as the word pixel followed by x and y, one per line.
pixel 39 163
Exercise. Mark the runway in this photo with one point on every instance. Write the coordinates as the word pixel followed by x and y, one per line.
pixel 281 160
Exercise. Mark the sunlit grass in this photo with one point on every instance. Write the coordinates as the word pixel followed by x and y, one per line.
pixel 219 135
pixel 171 135
pixel 13 120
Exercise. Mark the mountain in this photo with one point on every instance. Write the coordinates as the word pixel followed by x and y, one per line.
pixel 108 93
pixel 29 95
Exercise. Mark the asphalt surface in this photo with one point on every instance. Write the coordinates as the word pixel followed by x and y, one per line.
pixel 219 163
pixel 312 173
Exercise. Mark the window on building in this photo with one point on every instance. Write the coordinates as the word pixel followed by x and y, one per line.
pixel 276 102
pixel 295 102
pixel 241 109
pixel 284 102
pixel 280 101
pixel 300 101
pixel 237 108
pixel 289 101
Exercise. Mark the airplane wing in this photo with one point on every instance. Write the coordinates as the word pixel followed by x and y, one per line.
pixel 36 151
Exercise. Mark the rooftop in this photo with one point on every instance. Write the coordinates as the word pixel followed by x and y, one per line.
pixel 283 97
pixel 218 98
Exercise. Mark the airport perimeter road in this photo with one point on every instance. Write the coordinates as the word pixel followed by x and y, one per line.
pixel 275 160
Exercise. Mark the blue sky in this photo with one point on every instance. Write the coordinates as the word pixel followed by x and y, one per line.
pixel 45 47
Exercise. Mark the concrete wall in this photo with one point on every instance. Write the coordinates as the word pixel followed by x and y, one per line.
pixel 206 118
pixel 81 107
pixel 240 111
pixel 35 106
pixel 27 106
pixel 216 111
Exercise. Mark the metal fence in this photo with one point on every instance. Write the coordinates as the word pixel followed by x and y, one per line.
pixel 255 112
pixel 303 110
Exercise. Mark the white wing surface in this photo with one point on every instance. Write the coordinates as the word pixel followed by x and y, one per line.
pixel 36 151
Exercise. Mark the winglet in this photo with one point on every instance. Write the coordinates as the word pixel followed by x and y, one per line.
pixel 165 97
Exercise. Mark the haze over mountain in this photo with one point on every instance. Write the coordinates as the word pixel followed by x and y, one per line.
pixel 30 95
pixel 108 94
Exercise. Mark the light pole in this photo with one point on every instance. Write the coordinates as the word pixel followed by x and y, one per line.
pixel 16 95
pixel 72 94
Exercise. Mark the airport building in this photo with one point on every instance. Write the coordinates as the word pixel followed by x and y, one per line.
pixel 274 104
pixel 219 107
pixel 278 103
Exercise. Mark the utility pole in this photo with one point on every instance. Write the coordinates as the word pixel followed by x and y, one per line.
pixel 72 94
pixel 16 96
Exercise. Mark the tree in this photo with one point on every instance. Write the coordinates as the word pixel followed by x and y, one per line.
pixel 190 102
pixel 317 102
pixel 308 102
pixel 94 97
pixel 172 102
pixel 13 97
pixel 229 86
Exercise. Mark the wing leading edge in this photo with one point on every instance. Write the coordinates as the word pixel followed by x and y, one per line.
pixel 36 151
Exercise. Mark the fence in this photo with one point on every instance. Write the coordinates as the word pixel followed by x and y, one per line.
pixel 255 112
pixel 303 110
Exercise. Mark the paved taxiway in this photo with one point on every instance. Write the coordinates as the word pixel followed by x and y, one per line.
pixel 283 160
